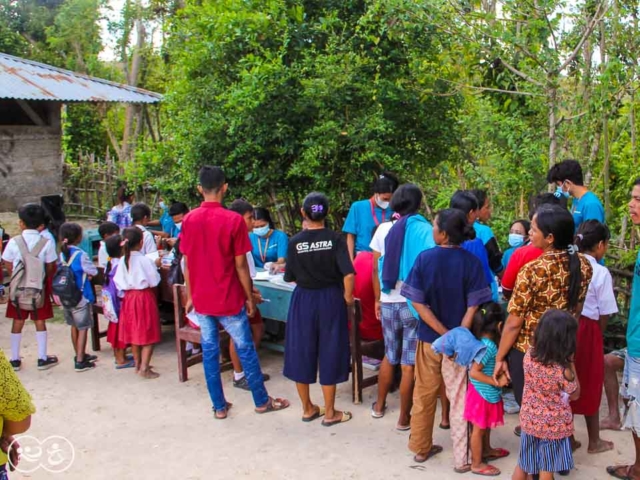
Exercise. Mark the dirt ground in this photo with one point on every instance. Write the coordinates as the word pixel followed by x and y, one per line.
pixel 127 428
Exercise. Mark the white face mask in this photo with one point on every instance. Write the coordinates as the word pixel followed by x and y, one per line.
pixel 261 231
pixel 179 226
pixel 382 203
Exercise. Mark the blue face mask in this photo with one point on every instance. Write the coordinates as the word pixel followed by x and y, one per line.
pixel 163 205
pixel 515 239
pixel 261 231
pixel 561 193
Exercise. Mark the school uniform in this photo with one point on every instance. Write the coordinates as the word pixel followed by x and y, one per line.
pixel 139 317
pixel 148 241
pixel 363 217
pixel 113 335
pixel 600 300
pixel 47 255
pixel 82 267
pixel 103 256
pixel 317 335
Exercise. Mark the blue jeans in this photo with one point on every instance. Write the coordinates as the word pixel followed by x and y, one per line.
pixel 237 326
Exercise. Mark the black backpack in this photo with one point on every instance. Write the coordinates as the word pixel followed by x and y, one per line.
pixel 176 277
pixel 65 290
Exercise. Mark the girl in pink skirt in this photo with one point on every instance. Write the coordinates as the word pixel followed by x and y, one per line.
pixel 483 407
pixel 139 322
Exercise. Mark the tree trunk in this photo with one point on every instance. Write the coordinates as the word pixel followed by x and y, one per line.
pixel 552 98
pixel 605 133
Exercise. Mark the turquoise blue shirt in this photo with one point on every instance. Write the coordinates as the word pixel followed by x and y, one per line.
pixel 588 207
pixel 490 393
pixel 483 232
pixel 633 325
pixel 506 256
pixel 363 217
pixel 269 249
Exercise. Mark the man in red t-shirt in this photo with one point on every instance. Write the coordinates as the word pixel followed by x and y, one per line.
pixel 214 242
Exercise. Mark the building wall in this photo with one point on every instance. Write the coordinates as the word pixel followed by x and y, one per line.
pixel 30 161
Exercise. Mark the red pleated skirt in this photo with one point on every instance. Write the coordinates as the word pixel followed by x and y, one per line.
pixel 139 322
pixel 113 337
pixel 44 313
pixel 589 367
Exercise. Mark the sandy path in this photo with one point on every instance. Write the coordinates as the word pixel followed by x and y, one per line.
pixel 126 428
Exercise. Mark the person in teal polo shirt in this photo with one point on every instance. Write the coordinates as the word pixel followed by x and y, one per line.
pixel 568 179
pixel 630 388
pixel 365 215
pixel 267 243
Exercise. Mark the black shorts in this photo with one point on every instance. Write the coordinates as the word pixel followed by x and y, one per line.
pixel 516 371
pixel 317 337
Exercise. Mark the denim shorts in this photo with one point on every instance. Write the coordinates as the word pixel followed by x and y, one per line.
pixel 630 391
pixel 621 354
pixel 400 331
pixel 80 316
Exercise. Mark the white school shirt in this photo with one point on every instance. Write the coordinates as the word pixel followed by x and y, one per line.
pixel 103 256
pixel 31 237
pixel 601 299
pixel 148 242
pixel 49 236
pixel 141 274
pixel 377 245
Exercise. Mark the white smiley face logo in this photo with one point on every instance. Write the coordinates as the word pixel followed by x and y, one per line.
pixel 55 454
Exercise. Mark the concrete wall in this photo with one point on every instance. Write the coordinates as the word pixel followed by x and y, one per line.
pixel 30 161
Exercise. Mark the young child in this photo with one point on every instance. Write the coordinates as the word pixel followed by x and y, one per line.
pixel 483 407
pixel 111 303
pixel 317 336
pixel 120 214
pixel 31 216
pixel 105 230
pixel 139 322
pixel 446 285
pixel 140 215
pixel 593 240
pixel 550 382
pixel 80 317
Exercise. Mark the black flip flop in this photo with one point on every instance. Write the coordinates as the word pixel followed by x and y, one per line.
pixel 315 416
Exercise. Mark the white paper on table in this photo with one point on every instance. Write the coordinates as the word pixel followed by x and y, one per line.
pixel 262 276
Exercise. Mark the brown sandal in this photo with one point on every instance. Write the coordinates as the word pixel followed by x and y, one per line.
pixel 436 449
pixel 223 412
pixel 273 405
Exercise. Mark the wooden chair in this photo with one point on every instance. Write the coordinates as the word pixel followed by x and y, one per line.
pixel 185 333
pixel 96 333
pixel 360 348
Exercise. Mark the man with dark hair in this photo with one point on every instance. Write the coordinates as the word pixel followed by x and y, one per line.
pixel 630 388
pixel 568 179
pixel 215 242
pixel 31 216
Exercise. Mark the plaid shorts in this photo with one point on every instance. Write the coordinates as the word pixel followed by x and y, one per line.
pixel 400 331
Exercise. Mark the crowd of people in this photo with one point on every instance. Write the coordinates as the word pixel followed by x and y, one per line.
pixel 461 320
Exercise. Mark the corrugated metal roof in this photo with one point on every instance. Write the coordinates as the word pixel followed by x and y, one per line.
pixel 29 80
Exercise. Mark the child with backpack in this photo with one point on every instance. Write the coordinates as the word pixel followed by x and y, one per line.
pixel 139 321
pixel 30 261
pixel 111 303
pixel 72 288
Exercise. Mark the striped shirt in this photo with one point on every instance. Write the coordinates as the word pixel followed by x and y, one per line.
pixel 490 393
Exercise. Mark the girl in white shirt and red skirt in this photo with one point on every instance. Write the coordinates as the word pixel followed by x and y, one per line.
pixel 137 277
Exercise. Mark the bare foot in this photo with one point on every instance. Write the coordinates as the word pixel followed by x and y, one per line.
pixel 148 374
pixel 600 447
pixel 610 424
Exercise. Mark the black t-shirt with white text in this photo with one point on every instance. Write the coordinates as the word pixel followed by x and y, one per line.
pixel 317 259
